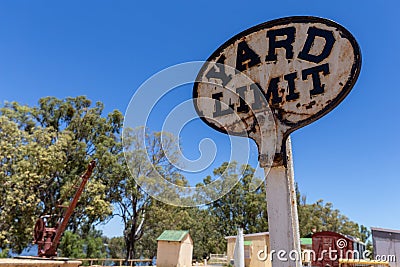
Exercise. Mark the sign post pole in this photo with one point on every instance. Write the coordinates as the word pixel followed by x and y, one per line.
pixel 282 213
pixel 298 69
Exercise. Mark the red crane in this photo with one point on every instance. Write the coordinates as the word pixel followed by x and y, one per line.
pixel 48 238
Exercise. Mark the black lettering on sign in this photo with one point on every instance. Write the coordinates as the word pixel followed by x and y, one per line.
pixel 258 95
pixel 221 75
pixel 318 88
pixel 287 43
pixel 292 94
pixel 299 68
pixel 245 57
pixel 326 51
pixel 272 94
pixel 243 107
pixel 218 111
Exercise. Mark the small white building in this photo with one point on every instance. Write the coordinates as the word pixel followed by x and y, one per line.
pixel 174 249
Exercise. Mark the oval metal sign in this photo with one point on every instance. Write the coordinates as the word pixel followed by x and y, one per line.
pixel 302 67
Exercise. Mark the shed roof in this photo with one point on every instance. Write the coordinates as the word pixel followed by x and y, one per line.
pixel 385 230
pixel 248 235
pixel 173 235
pixel 306 241
pixel 385 233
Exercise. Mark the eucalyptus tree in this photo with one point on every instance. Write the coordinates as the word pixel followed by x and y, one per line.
pixel 44 150
pixel 150 158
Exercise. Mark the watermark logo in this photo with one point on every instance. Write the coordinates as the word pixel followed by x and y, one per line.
pixel 341 243
pixel 154 174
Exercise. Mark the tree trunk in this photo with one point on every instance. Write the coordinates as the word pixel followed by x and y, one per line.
pixel 130 240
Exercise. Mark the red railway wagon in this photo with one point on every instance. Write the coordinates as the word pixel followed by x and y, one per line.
pixel 329 247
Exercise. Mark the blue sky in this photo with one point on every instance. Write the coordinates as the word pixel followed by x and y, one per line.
pixel 107 49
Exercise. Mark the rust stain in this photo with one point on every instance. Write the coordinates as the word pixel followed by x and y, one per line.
pixel 311 104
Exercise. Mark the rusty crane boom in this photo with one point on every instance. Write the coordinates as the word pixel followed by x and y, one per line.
pixel 48 238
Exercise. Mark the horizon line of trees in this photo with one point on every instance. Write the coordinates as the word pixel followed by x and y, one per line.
pixel 45 148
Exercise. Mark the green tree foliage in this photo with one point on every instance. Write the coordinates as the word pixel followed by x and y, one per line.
pixel 240 207
pixel 208 225
pixel 27 161
pixel 203 228
pixel 44 150
pixel 4 253
pixel 91 246
pixel 71 246
pixel 206 234
pixel 323 217
pixel 116 247
pixel 148 156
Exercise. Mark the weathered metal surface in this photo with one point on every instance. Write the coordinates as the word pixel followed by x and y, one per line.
pixel 283 223
pixel 265 83
pixel 48 238
pixel 341 246
pixel 302 67
pixel 386 243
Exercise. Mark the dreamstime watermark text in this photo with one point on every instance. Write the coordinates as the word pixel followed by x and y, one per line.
pixel 331 254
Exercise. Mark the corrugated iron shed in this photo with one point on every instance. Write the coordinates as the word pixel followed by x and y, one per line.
pixel 385 233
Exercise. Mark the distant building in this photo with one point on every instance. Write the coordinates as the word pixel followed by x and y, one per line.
pixel 306 248
pixel 306 243
pixel 174 249
pixel 341 246
pixel 386 245
pixel 253 244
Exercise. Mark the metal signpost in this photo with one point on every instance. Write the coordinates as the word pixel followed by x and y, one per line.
pixel 267 82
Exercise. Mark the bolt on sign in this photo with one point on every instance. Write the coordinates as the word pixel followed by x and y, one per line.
pixel 303 67
pixel 265 83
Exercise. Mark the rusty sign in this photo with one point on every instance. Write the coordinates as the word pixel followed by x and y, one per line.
pixel 303 67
